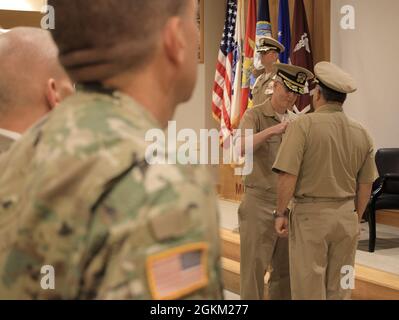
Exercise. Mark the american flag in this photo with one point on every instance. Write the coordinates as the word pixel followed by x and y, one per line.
pixel 263 29
pixel 249 53
pixel 178 274
pixel 227 87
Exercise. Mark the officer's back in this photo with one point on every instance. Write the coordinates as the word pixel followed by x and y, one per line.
pixel 328 160
pixel 336 149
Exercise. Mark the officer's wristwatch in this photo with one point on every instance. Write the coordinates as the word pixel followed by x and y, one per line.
pixel 281 215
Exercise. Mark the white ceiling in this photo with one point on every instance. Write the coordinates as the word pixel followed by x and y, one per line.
pixel 22 5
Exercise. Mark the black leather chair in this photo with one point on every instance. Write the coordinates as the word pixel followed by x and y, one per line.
pixel 386 189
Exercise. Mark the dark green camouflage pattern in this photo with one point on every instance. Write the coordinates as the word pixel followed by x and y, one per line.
pixel 76 193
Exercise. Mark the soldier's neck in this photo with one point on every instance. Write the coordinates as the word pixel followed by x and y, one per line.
pixel 18 124
pixel 149 93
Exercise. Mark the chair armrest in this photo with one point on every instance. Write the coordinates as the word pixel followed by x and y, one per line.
pixel 378 192
pixel 390 183
pixel 391 176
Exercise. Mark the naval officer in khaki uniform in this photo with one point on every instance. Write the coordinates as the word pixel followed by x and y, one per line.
pixel 260 246
pixel 7 138
pixel 263 87
pixel 24 101
pixel 325 160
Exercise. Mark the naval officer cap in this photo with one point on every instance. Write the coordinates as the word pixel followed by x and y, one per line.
pixel 294 78
pixel 334 78
pixel 266 44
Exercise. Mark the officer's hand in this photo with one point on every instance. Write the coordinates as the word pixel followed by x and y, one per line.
pixel 281 225
pixel 359 230
pixel 279 129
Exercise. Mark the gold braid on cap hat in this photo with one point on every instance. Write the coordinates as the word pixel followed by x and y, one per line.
pixel 292 85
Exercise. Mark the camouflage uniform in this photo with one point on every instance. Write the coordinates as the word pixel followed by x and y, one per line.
pixel 78 195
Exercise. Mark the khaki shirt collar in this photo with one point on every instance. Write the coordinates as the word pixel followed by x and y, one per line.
pixel 10 134
pixel 267 77
pixel 330 108
pixel 264 77
pixel 268 110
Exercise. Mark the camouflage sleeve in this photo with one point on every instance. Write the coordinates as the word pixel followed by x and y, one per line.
pixel 155 236
pixel 148 232
pixel 108 224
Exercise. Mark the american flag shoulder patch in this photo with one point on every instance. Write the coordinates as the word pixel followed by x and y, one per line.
pixel 178 272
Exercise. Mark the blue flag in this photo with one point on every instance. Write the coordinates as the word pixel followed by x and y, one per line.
pixel 263 26
pixel 263 29
pixel 284 30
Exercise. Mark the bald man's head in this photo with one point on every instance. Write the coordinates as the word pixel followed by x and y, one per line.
pixel 28 57
pixel 29 67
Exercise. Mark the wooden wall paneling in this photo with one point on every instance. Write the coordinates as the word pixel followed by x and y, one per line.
pixel 388 217
pixel 322 30
pixel 230 187
pixel 10 19
pixel 318 13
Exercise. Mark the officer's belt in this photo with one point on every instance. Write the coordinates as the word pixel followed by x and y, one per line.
pixel 316 200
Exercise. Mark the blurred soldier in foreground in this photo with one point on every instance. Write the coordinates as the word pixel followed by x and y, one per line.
pixel 84 199
pixel 32 82
pixel 324 161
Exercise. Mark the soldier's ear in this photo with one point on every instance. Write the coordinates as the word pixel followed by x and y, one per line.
pixel 52 95
pixel 318 94
pixel 174 40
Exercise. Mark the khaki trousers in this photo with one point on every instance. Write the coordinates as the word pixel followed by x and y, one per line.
pixel 260 249
pixel 322 240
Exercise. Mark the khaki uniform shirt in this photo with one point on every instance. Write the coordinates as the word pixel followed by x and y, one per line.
pixel 80 196
pixel 329 153
pixel 262 177
pixel 7 138
pixel 263 88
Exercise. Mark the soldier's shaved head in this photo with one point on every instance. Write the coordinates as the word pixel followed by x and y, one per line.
pixel 147 49
pixel 112 35
pixel 25 57
pixel 29 68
